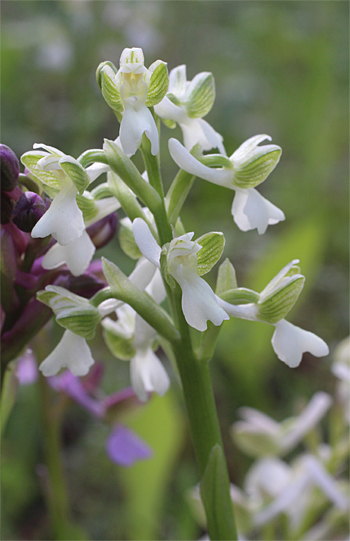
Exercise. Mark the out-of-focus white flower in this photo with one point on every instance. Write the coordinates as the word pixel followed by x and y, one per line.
pixel 186 103
pixel 248 167
pixel 258 434
pixel 341 369
pixel 198 300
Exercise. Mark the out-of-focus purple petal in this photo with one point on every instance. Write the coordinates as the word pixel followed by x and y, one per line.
pixel 124 447
pixel 118 397
pixel 104 230
pixel 26 280
pixel 93 378
pixel 27 369
pixel 19 238
pixel 73 387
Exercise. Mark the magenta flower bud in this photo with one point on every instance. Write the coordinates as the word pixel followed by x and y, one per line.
pixel 9 168
pixel 103 231
pixel 28 210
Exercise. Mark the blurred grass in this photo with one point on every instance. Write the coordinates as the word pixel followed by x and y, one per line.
pixel 280 68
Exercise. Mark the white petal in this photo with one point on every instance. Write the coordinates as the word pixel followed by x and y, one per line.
pixel 251 210
pixel 108 306
pixel 72 352
pixel 134 123
pixel 270 286
pixel 307 420
pixel 96 169
pixel 63 220
pixel 197 130
pixel 248 147
pixel 168 109
pixel 156 288
pixel 326 483
pixel 187 162
pixel 76 255
pixel 242 311
pixel 144 333
pixel 213 138
pixel 178 81
pixel 290 342
pixel 198 300
pixel 146 242
pixel 148 374
pixel 142 273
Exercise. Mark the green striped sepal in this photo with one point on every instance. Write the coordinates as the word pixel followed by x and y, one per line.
pixel 76 172
pixel 72 312
pixel 30 161
pixel 253 164
pixel 106 79
pixel 280 295
pixel 200 95
pixel 212 247
pixel 158 84
pixel 88 206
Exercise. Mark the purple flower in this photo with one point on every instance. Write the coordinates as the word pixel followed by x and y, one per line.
pixel 124 447
pixel 28 210
pixel 103 231
pixel 27 370
pixel 9 168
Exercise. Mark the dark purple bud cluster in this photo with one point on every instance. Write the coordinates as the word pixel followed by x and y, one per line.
pixel 28 210
pixel 9 168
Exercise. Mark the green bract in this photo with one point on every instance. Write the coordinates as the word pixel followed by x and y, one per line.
pixel 226 279
pixel 72 312
pixel 126 239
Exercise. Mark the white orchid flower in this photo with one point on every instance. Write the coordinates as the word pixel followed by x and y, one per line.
pixel 186 103
pixel 72 352
pixel 78 254
pixel 341 369
pixel 258 434
pixel 276 300
pixel 198 300
pixel 291 487
pixel 248 167
pixel 131 91
pixel 147 373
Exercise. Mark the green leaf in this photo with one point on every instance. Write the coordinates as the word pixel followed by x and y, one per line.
pixel 277 306
pixel 87 206
pixel 109 89
pixel 147 482
pixel 226 279
pixel 127 241
pixel 159 83
pixel 30 160
pixel 120 347
pixel 213 489
pixel 255 171
pixel 75 172
pixel 201 95
pixel 212 247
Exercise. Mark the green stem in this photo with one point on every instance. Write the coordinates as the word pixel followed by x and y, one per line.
pixel 57 499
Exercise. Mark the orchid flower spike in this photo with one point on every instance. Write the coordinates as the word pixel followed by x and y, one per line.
pixel 248 167
pixel 186 103
pixel 63 178
pixel 198 300
pixel 131 91
pixel 271 306
pixel 131 338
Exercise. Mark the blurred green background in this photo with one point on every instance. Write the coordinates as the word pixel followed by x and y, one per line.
pixel 281 68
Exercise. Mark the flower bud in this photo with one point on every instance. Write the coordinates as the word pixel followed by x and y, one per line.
pixel 9 168
pixel 103 231
pixel 27 211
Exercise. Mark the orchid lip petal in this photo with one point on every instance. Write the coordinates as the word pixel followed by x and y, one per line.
pixel 251 210
pixel 148 374
pixel 76 255
pixel 290 342
pixel 72 352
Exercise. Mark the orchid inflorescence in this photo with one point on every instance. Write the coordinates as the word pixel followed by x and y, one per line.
pixel 170 261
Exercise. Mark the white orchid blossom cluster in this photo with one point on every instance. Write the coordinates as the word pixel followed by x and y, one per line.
pixel 303 498
pixel 170 263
